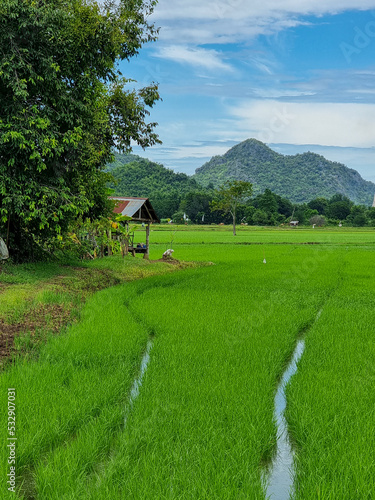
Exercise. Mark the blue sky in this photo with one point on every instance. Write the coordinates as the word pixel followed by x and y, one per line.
pixel 298 75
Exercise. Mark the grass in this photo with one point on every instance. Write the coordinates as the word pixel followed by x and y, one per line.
pixel 40 299
pixel 75 380
pixel 332 401
pixel 163 235
pixel 202 426
pixel 81 379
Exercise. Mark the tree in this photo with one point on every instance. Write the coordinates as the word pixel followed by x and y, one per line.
pixel 371 215
pixel 260 217
pixel 319 204
pixel 339 210
pixel 357 216
pixel 317 220
pixel 229 196
pixel 65 106
pixel 197 205
pixel 267 202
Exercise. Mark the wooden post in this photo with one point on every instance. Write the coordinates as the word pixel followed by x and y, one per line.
pixel 109 237
pixel 147 254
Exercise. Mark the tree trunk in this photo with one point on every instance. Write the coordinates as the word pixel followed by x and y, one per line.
pixel 234 223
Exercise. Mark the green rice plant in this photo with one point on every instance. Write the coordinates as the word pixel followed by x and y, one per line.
pixel 331 398
pixel 76 377
pixel 160 236
pixel 202 426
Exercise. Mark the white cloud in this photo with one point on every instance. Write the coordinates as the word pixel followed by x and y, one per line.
pixel 361 91
pixel 239 9
pixel 272 93
pixel 223 21
pixel 194 56
pixel 328 124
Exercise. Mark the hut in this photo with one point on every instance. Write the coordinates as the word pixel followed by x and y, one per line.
pixel 294 223
pixel 140 210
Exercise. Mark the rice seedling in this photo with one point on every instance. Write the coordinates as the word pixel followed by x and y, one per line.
pixel 203 423
pixel 161 236
pixel 331 399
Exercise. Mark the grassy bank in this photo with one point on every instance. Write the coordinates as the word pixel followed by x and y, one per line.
pixel 38 300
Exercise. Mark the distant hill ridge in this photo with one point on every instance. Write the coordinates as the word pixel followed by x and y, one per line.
pixel 300 178
pixel 136 176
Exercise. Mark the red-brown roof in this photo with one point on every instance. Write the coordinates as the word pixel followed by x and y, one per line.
pixel 140 209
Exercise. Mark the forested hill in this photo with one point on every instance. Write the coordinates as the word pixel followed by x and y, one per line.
pixel 299 178
pixel 136 176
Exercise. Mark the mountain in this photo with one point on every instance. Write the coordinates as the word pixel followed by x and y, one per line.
pixel 300 178
pixel 136 176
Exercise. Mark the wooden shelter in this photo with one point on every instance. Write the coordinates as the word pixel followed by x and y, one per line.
pixel 140 210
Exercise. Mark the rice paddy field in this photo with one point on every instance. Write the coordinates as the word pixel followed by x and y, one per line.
pixel 165 387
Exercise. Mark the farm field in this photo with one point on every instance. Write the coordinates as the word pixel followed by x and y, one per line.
pixel 163 234
pixel 219 339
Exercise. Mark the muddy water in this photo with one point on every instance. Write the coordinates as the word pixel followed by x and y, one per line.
pixel 134 391
pixel 280 480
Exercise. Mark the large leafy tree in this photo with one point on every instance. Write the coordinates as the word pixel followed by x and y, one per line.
pixel 64 106
pixel 229 196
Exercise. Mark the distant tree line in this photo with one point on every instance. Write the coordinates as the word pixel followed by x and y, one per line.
pixel 177 196
pixel 266 209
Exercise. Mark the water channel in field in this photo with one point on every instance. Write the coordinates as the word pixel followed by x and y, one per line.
pixel 279 483
pixel 134 391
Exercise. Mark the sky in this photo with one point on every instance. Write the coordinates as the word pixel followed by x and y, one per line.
pixel 298 75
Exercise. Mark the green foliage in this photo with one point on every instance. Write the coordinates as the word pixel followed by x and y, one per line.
pixel 100 237
pixel 299 178
pixel 268 202
pixel 260 218
pixel 197 205
pixel 318 220
pixel 229 196
pixel 141 177
pixel 339 210
pixel 64 107
pixel 319 204
pixel 174 194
